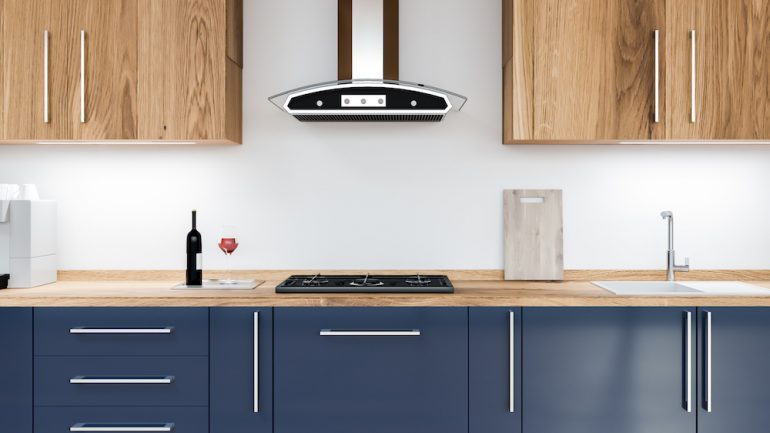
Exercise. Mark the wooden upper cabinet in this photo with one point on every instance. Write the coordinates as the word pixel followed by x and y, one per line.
pixel 583 70
pixel 189 86
pixel 729 98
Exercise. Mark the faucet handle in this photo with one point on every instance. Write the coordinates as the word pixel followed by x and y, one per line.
pixel 686 264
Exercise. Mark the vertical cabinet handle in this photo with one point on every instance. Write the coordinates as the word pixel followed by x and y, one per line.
pixel 707 361
pixel 82 76
pixel 511 363
pixel 46 116
pixel 256 361
pixel 693 71
pixel 688 361
pixel 657 76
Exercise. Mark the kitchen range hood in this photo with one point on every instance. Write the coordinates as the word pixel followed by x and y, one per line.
pixel 368 87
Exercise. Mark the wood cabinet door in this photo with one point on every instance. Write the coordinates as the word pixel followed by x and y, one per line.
pixel 725 93
pixel 105 100
pixel 589 370
pixel 181 69
pixel 39 62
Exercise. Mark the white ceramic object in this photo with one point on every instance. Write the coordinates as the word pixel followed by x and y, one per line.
pixel 28 243
pixel 683 288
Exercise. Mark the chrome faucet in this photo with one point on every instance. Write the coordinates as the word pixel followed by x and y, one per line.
pixel 671 266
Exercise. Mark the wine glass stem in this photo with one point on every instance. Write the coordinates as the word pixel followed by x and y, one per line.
pixel 228 272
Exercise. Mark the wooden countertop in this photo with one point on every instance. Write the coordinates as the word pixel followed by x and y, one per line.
pixel 472 288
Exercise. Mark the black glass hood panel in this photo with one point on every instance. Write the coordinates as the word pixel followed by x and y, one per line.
pixel 371 98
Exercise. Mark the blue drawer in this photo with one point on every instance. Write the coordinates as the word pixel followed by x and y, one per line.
pixel 161 419
pixel 128 381
pixel 122 331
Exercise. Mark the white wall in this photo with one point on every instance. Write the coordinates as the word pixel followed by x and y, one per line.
pixel 391 195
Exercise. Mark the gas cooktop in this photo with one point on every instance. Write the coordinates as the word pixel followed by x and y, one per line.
pixel 366 284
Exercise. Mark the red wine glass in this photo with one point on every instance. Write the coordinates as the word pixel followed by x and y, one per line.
pixel 228 243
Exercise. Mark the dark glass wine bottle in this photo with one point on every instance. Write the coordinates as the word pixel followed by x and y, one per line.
pixel 194 256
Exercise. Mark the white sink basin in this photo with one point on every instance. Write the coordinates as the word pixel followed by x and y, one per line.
pixel 684 288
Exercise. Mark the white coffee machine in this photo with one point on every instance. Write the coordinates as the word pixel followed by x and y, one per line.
pixel 28 242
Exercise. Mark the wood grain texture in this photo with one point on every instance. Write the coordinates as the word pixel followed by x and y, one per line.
pixel 111 70
pixel 594 69
pixel 233 102
pixel 467 293
pixel 732 69
pixel 181 88
pixel 533 232
pixel 235 31
pixel 518 65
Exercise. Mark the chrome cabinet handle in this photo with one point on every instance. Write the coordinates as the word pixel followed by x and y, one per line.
pixel 511 363
pixel 128 380
pixel 110 427
pixel 82 76
pixel 351 333
pixel 256 361
pixel 46 115
pixel 693 70
pixel 657 76
pixel 166 330
pixel 707 361
pixel 688 361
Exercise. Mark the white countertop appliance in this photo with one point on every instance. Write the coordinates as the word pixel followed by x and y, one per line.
pixel 28 242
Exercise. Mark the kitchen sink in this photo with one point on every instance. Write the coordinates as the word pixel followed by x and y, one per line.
pixel 683 288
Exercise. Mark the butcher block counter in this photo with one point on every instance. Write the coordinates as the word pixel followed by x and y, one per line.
pixel 472 288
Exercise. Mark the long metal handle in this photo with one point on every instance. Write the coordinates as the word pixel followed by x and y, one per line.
pixel 657 76
pixel 46 108
pixel 166 330
pixel 103 380
pixel 256 361
pixel 511 362
pixel 104 427
pixel 350 333
pixel 82 76
pixel 688 361
pixel 707 361
pixel 693 74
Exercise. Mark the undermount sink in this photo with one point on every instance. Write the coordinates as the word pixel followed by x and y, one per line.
pixel 684 288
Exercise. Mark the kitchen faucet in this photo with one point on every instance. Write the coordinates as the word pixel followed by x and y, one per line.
pixel 671 266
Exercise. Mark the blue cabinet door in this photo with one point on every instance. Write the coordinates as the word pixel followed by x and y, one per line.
pixel 494 343
pixel 241 348
pixel 590 370
pixel 373 370
pixel 16 370
pixel 739 384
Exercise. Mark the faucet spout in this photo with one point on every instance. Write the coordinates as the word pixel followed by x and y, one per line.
pixel 671 266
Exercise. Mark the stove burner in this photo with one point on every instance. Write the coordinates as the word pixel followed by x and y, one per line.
pixel 366 282
pixel 315 280
pixel 418 281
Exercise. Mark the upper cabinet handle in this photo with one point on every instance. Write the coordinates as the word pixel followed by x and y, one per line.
pixel 256 361
pixel 342 333
pixel 693 73
pixel 511 361
pixel 166 330
pixel 657 76
pixel 82 76
pixel 46 115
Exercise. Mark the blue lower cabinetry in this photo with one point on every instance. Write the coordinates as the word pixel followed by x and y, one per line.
pixel 238 402
pixel 127 419
pixel 373 370
pixel 16 370
pixel 590 370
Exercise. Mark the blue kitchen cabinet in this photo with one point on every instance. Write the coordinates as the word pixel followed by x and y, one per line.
pixel 16 370
pixel 241 370
pixel 738 340
pixel 494 356
pixel 373 370
pixel 629 370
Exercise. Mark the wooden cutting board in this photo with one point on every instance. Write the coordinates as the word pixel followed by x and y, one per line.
pixel 534 234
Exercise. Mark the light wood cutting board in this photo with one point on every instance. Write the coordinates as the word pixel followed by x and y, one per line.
pixel 534 234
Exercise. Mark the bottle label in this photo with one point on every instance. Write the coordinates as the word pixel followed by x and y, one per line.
pixel 199 261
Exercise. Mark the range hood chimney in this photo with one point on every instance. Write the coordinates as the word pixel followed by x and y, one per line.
pixel 368 86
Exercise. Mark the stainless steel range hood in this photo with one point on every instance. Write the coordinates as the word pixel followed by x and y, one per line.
pixel 368 87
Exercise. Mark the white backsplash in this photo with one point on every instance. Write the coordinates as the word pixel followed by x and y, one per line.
pixel 391 195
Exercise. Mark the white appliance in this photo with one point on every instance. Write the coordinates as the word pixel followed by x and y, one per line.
pixel 28 243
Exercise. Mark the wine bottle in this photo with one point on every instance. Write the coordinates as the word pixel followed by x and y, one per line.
pixel 194 256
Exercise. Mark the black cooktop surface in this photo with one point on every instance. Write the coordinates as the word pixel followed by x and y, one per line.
pixel 366 284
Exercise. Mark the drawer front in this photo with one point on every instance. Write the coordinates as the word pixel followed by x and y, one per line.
pixel 378 370
pixel 121 331
pixel 127 420
pixel 130 381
